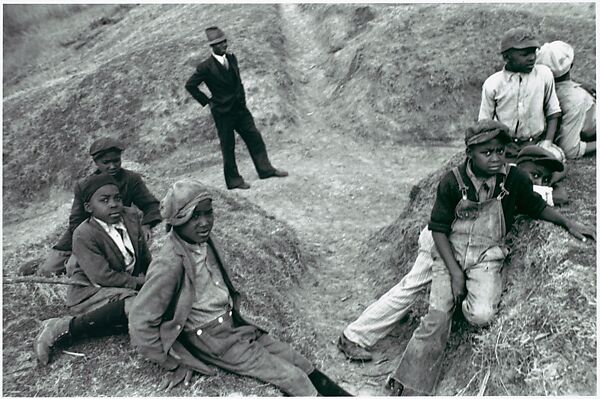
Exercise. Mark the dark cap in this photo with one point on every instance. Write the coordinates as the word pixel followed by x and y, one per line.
pixel 103 145
pixel 486 130
pixel 92 183
pixel 539 155
pixel 215 35
pixel 518 38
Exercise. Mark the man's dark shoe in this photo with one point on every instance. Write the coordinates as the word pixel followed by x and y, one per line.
pixel 242 186
pixel 395 387
pixel 276 173
pixel 29 268
pixel 352 350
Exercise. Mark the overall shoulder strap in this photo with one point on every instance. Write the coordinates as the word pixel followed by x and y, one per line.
pixel 461 184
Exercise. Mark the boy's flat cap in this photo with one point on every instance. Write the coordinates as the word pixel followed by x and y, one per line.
pixel 539 155
pixel 558 56
pixel 486 130
pixel 104 144
pixel 177 206
pixel 92 183
pixel 518 38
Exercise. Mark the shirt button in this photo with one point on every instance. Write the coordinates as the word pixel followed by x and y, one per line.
pixel 199 332
pixel 220 320
pixel 217 283
pixel 178 326
pixel 230 313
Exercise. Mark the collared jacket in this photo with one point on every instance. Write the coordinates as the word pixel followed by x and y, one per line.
pixel 100 263
pixel 162 306
pixel 133 190
pixel 225 85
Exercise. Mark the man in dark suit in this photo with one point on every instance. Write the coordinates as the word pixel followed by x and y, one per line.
pixel 221 75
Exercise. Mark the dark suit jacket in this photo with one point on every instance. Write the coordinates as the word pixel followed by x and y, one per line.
pixel 133 190
pixel 99 261
pixel 164 303
pixel 225 86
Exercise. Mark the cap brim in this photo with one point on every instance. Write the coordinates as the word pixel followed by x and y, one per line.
pixel 487 136
pixel 552 164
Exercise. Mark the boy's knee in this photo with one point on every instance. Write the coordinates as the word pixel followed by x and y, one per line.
pixel 479 316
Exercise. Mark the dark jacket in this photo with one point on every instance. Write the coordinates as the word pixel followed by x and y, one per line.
pixel 163 305
pixel 100 263
pixel 225 85
pixel 521 198
pixel 133 191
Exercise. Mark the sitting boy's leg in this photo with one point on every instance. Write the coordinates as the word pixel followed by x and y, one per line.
pixel 55 263
pixel 484 290
pixel 324 385
pixel 419 367
pixel 378 320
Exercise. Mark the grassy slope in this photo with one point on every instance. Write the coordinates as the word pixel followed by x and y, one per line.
pixel 413 73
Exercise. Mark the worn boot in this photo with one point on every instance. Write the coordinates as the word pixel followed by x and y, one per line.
pixel 325 386
pixel 52 332
pixel 352 350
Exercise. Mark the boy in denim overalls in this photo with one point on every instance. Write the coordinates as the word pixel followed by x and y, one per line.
pixel 474 208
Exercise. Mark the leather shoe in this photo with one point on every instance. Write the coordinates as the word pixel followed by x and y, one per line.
pixel 242 186
pixel 277 173
pixel 352 350
pixel 52 332
pixel 394 386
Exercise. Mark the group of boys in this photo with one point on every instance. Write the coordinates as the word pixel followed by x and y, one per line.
pixel 181 308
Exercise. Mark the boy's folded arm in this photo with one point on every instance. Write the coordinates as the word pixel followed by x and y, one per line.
pixel 146 202
pixel 149 307
pixel 577 230
pixel 95 266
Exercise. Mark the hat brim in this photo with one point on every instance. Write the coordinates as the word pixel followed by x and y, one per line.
pixel 217 40
pixel 487 136
pixel 524 44
pixel 552 164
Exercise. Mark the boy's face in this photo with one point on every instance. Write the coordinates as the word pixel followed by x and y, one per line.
pixel 520 60
pixel 197 229
pixel 106 204
pixel 109 162
pixel 539 174
pixel 487 158
pixel 220 48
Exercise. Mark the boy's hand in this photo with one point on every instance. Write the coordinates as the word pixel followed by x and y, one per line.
pixel 458 286
pixel 174 378
pixel 581 231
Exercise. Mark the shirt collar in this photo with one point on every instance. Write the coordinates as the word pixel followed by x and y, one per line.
pixel 220 58
pixel 195 248
pixel 107 226
pixel 478 182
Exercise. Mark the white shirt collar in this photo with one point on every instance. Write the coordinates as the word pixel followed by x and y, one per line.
pixel 220 58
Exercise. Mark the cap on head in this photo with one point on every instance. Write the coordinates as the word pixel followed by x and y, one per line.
pixel 92 183
pixel 177 206
pixel 518 38
pixel 104 145
pixel 215 35
pixel 558 56
pixel 539 155
pixel 486 130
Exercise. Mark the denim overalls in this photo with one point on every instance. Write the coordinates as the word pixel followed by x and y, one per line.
pixel 477 241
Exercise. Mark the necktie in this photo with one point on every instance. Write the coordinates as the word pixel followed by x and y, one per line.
pixel 225 62
pixel 129 257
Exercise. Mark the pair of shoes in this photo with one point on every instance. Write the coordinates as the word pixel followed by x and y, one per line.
pixel 29 268
pixel 53 331
pixel 395 387
pixel 242 186
pixel 352 350
pixel 276 173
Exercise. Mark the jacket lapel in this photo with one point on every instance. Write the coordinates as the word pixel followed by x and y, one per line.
pixel 224 270
pixel 130 222
pixel 108 240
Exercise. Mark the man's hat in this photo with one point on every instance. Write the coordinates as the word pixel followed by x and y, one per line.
pixel 486 130
pixel 539 155
pixel 215 35
pixel 558 56
pixel 518 38
pixel 103 145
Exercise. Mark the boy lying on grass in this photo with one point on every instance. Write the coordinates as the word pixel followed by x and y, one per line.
pixel 187 314
pixel 111 259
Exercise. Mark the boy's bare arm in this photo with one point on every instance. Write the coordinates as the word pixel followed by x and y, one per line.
pixel 457 276
pixel 577 230
pixel 551 126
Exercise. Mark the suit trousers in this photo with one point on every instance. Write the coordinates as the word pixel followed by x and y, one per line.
pixel 248 351
pixel 240 119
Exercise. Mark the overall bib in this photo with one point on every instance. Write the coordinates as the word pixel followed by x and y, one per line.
pixel 477 240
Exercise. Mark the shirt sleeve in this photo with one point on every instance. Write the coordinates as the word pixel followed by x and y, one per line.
pixel 551 103
pixel 527 202
pixel 145 201
pixel 487 109
pixel 446 199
